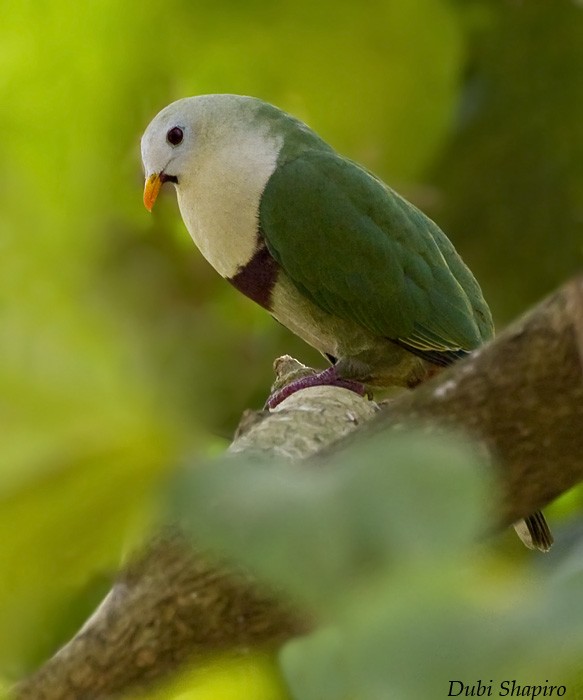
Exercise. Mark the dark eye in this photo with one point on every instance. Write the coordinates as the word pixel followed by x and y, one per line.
pixel 175 136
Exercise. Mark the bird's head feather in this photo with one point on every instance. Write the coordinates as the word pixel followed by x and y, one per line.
pixel 190 129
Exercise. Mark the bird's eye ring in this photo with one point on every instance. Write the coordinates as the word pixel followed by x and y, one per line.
pixel 175 136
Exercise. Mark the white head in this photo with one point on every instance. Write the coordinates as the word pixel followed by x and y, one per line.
pixel 185 130
pixel 219 151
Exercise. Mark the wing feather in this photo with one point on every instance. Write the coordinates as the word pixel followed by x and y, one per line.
pixel 360 251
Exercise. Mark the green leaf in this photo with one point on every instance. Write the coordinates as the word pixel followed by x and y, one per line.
pixel 318 667
pixel 389 502
pixel 425 628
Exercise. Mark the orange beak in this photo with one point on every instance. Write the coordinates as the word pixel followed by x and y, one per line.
pixel 151 190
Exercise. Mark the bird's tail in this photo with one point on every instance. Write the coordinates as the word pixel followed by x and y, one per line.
pixel 534 532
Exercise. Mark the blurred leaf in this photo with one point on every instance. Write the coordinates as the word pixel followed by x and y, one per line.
pixel 381 541
pixel 374 508
pixel 318 667
pixel 421 630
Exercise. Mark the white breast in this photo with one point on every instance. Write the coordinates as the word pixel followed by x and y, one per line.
pixel 219 198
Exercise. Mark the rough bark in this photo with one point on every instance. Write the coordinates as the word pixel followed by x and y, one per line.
pixel 522 395
pixel 169 605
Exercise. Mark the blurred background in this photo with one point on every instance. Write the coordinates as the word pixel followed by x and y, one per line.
pixel 121 350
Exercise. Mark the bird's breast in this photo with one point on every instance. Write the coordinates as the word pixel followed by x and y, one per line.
pixel 224 229
pixel 219 200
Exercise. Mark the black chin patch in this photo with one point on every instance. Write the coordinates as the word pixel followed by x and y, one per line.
pixel 168 178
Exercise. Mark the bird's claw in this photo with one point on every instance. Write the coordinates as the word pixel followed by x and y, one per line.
pixel 328 377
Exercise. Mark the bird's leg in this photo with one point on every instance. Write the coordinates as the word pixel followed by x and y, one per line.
pixel 328 377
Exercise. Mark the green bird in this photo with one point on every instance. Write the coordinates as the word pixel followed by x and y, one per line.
pixel 331 251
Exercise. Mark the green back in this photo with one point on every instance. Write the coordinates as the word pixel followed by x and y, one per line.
pixel 360 251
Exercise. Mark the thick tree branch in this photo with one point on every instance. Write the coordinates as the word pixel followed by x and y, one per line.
pixel 522 396
pixel 170 604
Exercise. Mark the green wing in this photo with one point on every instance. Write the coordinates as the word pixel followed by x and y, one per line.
pixel 360 251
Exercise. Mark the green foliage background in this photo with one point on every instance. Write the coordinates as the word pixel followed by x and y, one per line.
pixel 120 350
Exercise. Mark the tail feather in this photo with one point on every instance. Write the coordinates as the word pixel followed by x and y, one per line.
pixel 534 532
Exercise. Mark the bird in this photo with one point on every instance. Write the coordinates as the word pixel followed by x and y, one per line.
pixel 320 242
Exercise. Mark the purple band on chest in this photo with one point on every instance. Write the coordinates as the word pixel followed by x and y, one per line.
pixel 257 278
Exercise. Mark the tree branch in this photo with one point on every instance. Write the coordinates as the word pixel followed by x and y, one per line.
pixel 522 396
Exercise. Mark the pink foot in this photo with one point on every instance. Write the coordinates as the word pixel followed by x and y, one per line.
pixel 327 377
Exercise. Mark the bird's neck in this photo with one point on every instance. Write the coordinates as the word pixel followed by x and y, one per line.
pixel 219 199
